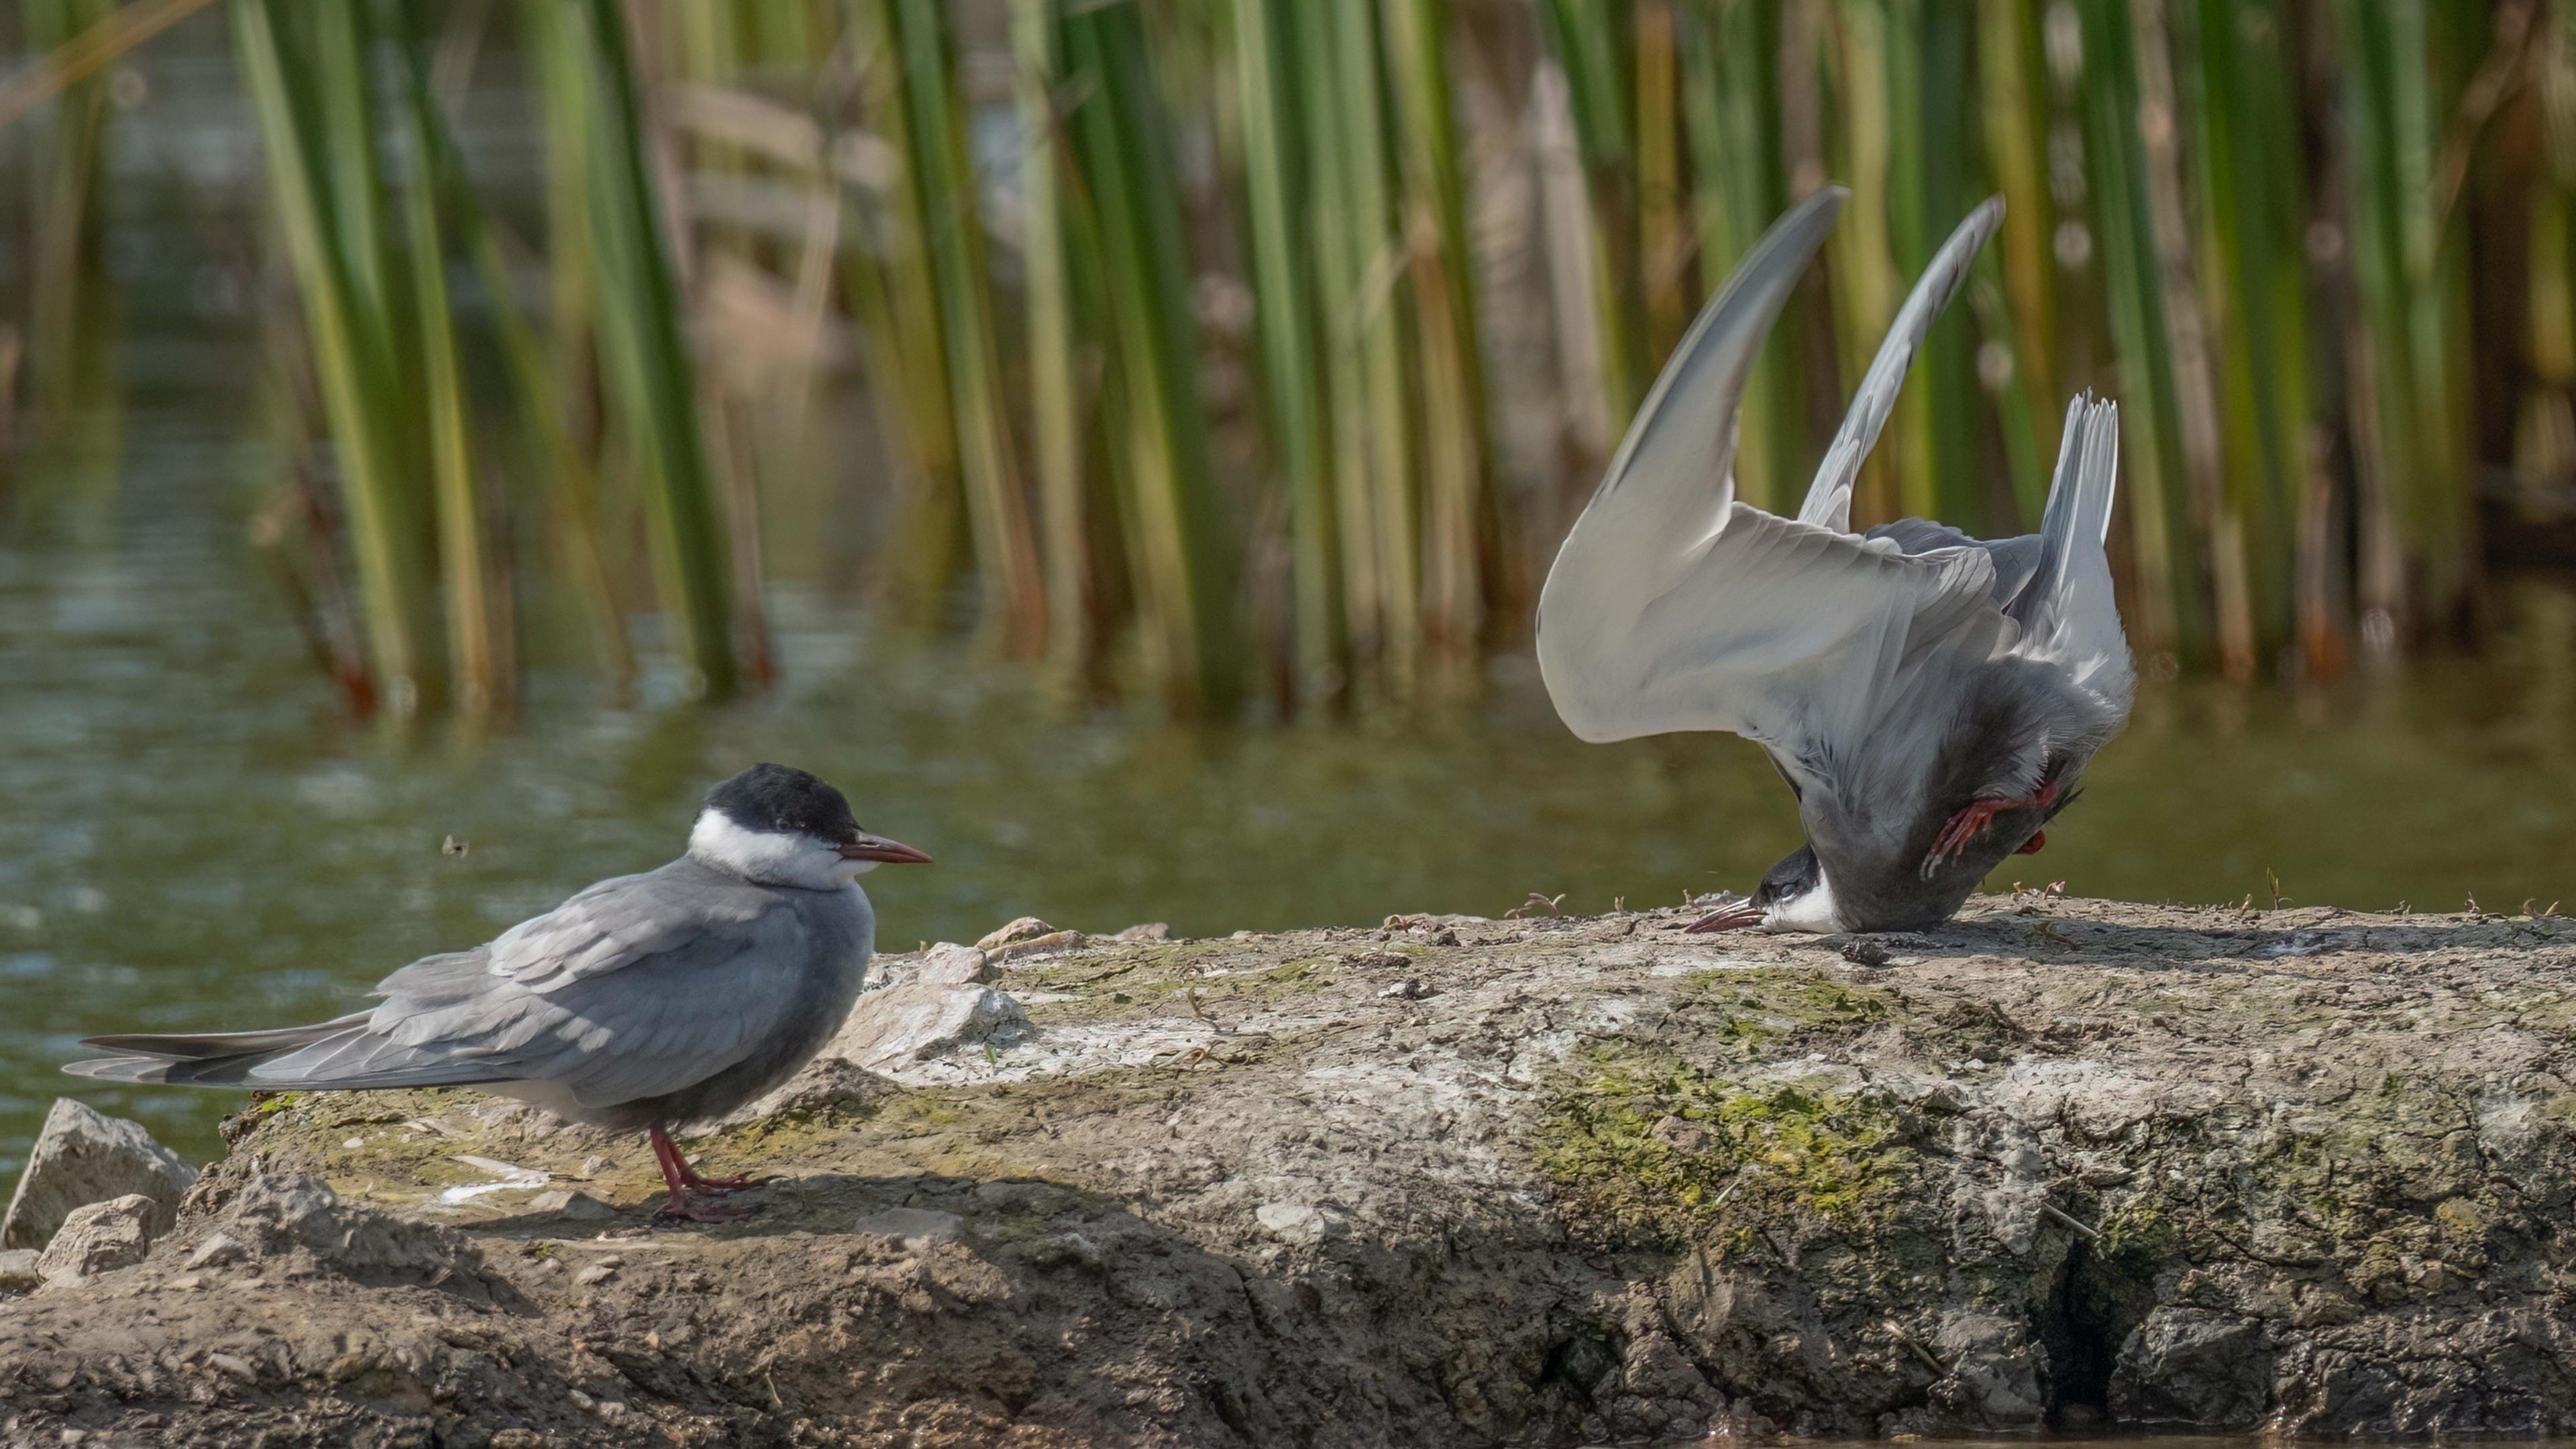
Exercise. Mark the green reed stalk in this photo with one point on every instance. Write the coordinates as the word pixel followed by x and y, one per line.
pixel 69 305
pixel 1279 192
pixel 1730 57
pixel 2544 450
pixel 471 639
pixel 353 376
pixel 2399 60
pixel 1661 245
pixel 1379 325
pixel 1339 268
pixel 894 295
pixel 2219 531
pixel 645 361
pixel 938 169
pixel 2014 89
pixel 1182 551
pixel 1054 394
pixel 2250 196
pixel 1595 42
pixel 1452 384
pixel 2170 618
pixel 1861 254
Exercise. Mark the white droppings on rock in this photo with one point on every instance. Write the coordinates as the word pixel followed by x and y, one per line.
pixel 917 1227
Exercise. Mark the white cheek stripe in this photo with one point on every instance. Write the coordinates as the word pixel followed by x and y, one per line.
pixel 1815 911
pixel 767 856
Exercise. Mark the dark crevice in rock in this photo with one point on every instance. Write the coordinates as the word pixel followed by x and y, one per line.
pixel 2100 1297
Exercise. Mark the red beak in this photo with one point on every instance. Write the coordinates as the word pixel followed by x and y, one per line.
pixel 1736 917
pixel 877 847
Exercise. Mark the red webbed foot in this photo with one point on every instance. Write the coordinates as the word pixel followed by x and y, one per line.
pixel 1963 828
pixel 721 1185
pixel 687 1188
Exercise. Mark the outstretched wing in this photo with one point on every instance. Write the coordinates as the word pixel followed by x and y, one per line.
pixel 1828 502
pixel 1673 607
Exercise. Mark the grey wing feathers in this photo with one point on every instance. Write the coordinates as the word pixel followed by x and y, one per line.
pixel 1686 425
pixel 1828 503
pixel 2078 517
pixel 1673 607
pixel 625 991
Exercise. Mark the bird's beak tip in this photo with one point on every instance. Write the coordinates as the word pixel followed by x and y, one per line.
pixel 1740 916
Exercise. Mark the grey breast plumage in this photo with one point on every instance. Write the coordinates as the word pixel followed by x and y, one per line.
pixel 675 995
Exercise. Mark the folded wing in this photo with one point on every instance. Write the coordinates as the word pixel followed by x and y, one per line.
pixel 628 990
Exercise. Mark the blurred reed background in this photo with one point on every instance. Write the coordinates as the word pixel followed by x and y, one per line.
pixel 1260 350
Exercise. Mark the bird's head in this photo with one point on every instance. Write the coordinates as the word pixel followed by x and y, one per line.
pixel 1794 896
pixel 784 827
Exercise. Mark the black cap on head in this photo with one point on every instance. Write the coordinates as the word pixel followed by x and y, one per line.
pixel 1790 879
pixel 781 798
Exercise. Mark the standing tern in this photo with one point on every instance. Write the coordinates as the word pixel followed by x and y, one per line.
pixel 645 1001
pixel 1931 698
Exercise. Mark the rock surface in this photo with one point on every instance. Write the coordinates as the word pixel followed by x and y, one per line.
pixel 2059 1164
pixel 82 1157
pixel 101 1237
pixel 922 1019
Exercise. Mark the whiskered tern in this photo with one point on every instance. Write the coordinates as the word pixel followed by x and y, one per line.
pixel 1932 699
pixel 645 1001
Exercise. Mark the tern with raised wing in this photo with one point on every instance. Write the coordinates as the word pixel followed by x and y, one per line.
pixel 1931 698
pixel 644 1002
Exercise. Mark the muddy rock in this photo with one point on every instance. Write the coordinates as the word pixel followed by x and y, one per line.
pixel 82 1156
pixel 2056 1165
pixel 101 1237
pixel 944 963
pixel 1026 928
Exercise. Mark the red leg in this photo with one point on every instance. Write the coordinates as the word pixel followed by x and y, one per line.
pixel 685 1185
pixel 2032 846
pixel 689 1177
pixel 1980 815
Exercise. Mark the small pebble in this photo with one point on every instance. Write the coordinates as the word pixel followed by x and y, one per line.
pixel 1864 952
